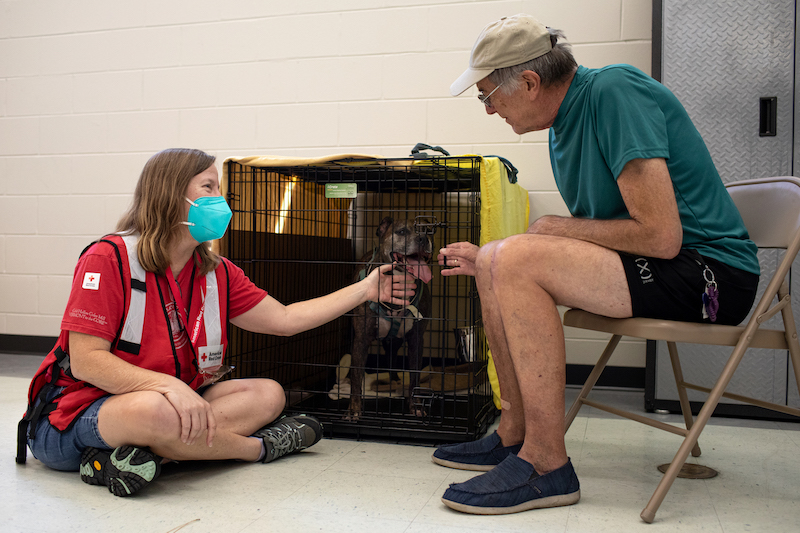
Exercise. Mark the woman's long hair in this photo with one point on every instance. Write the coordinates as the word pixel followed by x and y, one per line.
pixel 159 204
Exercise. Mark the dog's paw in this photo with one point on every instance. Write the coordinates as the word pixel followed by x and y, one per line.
pixel 419 412
pixel 352 416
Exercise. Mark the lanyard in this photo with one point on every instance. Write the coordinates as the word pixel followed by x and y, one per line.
pixel 182 309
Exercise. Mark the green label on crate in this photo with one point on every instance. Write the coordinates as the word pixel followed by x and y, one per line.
pixel 341 190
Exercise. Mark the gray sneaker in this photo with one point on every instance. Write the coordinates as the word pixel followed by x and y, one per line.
pixel 288 435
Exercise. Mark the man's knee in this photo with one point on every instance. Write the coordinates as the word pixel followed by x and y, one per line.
pixel 508 255
pixel 485 258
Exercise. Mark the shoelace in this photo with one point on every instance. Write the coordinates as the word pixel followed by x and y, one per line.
pixel 285 439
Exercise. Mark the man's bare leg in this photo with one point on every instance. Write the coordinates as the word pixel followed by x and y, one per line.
pixel 512 421
pixel 520 281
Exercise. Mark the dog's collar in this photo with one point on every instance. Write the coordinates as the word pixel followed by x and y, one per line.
pixel 394 318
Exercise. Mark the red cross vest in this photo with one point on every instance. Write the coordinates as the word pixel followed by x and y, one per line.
pixel 145 338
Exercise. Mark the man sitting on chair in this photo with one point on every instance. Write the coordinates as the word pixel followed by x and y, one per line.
pixel 653 234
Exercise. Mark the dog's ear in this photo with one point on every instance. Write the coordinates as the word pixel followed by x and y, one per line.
pixel 384 226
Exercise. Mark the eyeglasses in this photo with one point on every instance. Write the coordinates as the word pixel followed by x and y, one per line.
pixel 485 99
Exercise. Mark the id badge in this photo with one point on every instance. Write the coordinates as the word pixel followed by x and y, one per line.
pixel 209 358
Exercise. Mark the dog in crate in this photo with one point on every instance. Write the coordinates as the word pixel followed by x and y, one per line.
pixel 406 243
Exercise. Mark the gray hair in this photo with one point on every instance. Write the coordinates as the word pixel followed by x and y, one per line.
pixel 553 67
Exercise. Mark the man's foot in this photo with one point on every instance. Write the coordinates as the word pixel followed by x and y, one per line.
pixel 512 487
pixel 481 455
pixel 124 470
pixel 288 435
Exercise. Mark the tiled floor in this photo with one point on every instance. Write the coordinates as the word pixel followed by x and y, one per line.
pixel 348 486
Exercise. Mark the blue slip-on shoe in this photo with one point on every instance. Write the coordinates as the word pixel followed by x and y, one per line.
pixel 481 455
pixel 512 487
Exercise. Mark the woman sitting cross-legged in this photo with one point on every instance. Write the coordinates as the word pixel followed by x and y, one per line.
pixel 132 380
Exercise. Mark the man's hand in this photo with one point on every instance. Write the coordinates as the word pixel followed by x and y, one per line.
pixel 459 259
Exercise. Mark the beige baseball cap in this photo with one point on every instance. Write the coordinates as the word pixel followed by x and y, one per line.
pixel 509 41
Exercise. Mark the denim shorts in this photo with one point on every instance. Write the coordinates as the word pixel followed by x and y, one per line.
pixel 62 451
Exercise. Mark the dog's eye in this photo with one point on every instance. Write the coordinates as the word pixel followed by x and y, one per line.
pixel 403 232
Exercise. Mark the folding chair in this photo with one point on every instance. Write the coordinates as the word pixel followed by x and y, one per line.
pixel 770 208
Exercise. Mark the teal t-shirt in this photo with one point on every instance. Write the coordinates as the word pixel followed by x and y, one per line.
pixel 618 113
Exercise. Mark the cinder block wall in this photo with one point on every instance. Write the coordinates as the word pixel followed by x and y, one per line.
pixel 90 89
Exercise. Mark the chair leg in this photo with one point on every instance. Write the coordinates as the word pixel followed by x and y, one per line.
pixel 591 380
pixel 683 397
pixel 649 512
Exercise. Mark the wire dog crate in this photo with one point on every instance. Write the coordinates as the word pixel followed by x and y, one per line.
pixel 303 230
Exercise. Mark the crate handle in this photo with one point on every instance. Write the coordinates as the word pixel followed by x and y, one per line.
pixel 417 154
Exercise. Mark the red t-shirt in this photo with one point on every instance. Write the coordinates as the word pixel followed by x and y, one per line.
pixel 95 306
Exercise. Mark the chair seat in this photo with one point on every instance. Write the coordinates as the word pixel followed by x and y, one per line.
pixel 673 331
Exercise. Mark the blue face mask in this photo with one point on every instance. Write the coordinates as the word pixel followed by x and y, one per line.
pixel 208 218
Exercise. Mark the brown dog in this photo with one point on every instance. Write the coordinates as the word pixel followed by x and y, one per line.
pixel 398 242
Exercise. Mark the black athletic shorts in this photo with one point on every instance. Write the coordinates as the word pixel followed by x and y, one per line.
pixel 672 289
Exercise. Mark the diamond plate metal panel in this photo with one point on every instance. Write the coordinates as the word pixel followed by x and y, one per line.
pixel 719 57
pixel 703 364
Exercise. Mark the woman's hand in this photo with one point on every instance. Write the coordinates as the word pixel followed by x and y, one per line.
pixel 91 361
pixel 390 286
pixel 458 259
pixel 195 413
